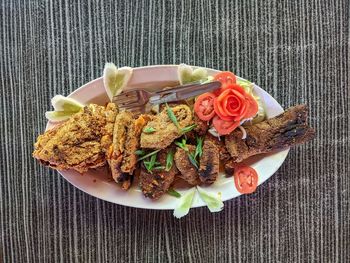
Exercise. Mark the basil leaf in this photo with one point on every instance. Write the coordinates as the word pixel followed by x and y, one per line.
pixel 192 160
pixel 188 128
pixel 140 152
pixel 148 155
pixel 149 130
pixel 171 115
pixel 169 160
pixel 174 193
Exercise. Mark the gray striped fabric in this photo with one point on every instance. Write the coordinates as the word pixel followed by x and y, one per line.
pixel 297 50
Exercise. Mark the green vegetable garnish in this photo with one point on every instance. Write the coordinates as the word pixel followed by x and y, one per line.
pixel 192 160
pixel 171 115
pixel 140 152
pixel 148 155
pixel 169 160
pixel 199 147
pixel 188 128
pixel 182 145
pixel 158 168
pixel 185 203
pixel 149 130
pixel 213 201
pixel 174 193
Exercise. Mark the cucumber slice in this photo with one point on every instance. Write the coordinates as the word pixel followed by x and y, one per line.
pixel 187 75
pixel 58 116
pixel 184 204
pixel 213 201
pixel 61 103
pixel 115 80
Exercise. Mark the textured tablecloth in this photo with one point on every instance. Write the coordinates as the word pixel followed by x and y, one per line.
pixel 298 51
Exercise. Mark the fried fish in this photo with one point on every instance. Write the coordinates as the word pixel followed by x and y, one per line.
pixel 288 129
pixel 79 143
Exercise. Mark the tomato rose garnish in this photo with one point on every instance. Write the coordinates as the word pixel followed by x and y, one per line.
pixel 226 78
pixel 234 104
pixel 224 127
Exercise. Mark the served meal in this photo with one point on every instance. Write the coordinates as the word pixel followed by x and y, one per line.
pixel 192 140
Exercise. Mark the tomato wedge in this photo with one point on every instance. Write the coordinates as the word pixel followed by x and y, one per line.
pixel 246 179
pixel 224 127
pixel 204 106
pixel 226 78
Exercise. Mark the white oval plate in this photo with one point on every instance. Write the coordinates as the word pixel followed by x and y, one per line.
pixel 99 184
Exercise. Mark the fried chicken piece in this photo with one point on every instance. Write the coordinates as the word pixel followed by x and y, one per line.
pixel 122 158
pixel 157 183
pixel 188 171
pixel 224 154
pixel 165 130
pixel 79 143
pixel 285 130
pixel 209 162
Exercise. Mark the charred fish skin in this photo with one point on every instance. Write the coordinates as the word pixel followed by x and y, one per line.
pixel 209 162
pixel 285 130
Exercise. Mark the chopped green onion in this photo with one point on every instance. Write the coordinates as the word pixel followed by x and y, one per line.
pixel 140 152
pixel 158 168
pixel 192 160
pixel 188 128
pixel 169 160
pixel 182 146
pixel 213 201
pixel 148 155
pixel 184 204
pixel 149 130
pixel 199 147
pixel 171 115
pixel 174 193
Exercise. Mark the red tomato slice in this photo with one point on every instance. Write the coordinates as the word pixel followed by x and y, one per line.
pixel 204 106
pixel 226 78
pixel 246 179
pixel 252 107
pixel 224 127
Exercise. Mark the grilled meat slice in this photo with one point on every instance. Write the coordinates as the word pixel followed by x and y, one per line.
pixel 209 162
pixel 285 130
pixel 79 143
pixel 122 158
pixel 230 167
pixel 155 184
pixel 165 130
pixel 188 171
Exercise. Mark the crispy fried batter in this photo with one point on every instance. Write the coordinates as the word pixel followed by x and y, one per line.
pixel 209 162
pixel 285 130
pixel 122 158
pixel 157 183
pixel 79 143
pixel 166 131
pixel 188 171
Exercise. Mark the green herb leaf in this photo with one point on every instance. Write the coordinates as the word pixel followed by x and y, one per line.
pixel 199 147
pixel 171 115
pixel 192 160
pixel 174 193
pixel 148 155
pixel 213 201
pixel 149 130
pixel 188 128
pixel 169 160
pixel 140 152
